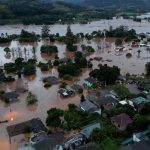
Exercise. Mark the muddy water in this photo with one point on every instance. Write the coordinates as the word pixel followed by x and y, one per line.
pixel 48 98
pixel 76 28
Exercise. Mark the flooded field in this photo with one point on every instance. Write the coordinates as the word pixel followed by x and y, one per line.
pixel 48 98
pixel 140 27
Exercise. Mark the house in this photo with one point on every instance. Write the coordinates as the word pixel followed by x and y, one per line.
pixel 142 145
pixel 107 102
pixel 121 121
pixel 87 130
pixel 74 141
pixel 12 96
pixel 35 125
pixel 137 137
pixel 138 103
pixel 89 107
pixel 42 141
pixel 51 80
pixel 88 82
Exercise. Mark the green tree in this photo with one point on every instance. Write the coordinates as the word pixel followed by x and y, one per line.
pixel 29 70
pixel 54 117
pixel 147 68
pixel 118 42
pixel 45 31
pixel 106 74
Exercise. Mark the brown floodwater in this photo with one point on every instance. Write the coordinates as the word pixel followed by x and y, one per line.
pixel 85 28
pixel 49 98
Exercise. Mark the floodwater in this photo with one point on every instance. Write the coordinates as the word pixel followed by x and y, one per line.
pixel 48 98
pixel 140 27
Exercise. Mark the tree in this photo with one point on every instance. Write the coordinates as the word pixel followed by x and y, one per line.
pixel 48 49
pixel 69 32
pixel 118 42
pixel 139 51
pixel 29 70
pixel 80 60
pixel 82 98
pixel 98 135
pixel 31 99
pixel 106 74
pixel 45 31
pixel 54 117
pixel 147 67
pixel 7 50
pixel 68 68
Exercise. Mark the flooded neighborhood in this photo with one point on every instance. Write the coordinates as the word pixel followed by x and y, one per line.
pixel 126 56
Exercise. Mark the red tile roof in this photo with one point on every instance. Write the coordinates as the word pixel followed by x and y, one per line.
pixel 122 120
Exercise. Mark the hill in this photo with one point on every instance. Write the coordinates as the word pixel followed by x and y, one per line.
pixel 66 11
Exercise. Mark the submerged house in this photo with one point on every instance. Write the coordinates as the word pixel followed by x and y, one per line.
pixel 51 80
pixel 12 96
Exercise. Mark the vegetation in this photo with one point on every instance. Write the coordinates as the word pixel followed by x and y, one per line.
pixel 73 118
pixel 106 74
pixel 80 60
pixel 27 37
pixel 31 99
pixel 45 31
pixel 147 67
pixel 4 98
pixel 88 49
pixel 29 69
pixel 45 66
pixel 118 42
pixel 48 49
pixel 68 69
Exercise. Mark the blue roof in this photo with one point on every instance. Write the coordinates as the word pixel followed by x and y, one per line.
pixel 87 106
pixel 87 130
pixel 140 100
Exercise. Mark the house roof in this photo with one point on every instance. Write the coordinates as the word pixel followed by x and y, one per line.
pixel 122 120
pixel 52 80
pixel 140 100
pixel 87 130
pixel 11 95
pixel 142 145
pixel 105 100
pixel 49 142
pixel 35 125
pixel 88 106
